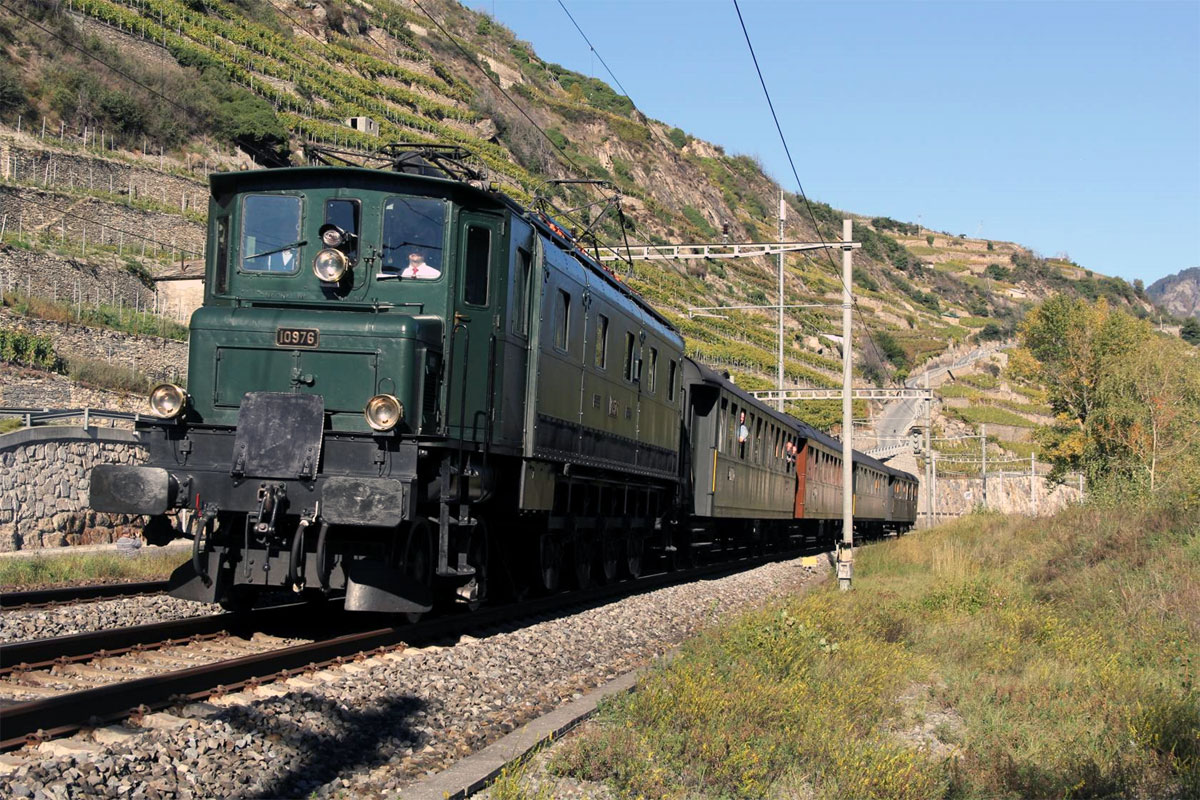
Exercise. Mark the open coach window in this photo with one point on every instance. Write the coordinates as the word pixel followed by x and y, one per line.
pixel 271 233
pixel 413 230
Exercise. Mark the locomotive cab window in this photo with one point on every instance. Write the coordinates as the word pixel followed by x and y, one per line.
pixel 413 230
pixel 475 273
pixel 271 233
pixel 562 320
pixel 344 214
pixel 521 287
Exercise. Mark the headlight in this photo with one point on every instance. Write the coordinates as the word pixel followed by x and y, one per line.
pixel 330 265
pixel 383 411
pixel 167 400
pixel 332 236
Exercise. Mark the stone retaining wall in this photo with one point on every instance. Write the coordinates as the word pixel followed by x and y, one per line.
pixel 64 169
pixel 77 219
pixel 44 478
pixel 160 359
pixel 31 388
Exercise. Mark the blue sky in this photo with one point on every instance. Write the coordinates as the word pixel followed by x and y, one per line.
pixel 1069 127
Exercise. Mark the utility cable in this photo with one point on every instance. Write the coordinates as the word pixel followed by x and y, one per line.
pixel 594 51
pixel 799 185
pixel 474 62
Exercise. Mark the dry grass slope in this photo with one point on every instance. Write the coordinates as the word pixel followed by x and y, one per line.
pixel 994 657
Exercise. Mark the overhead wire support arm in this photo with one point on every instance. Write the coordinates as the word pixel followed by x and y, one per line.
pixel 858 393
pixel 677 252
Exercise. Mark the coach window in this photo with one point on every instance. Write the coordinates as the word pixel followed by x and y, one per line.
pixel 520 293
pixel 727 433
pixel 271 233
pixel 601 341
pixel 671 383
pixel 630 349
pixel 652 378
pixel 722 426
pixel 562 320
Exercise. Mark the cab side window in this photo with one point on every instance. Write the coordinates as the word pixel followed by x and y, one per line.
pixel 475 273
pixel 562 319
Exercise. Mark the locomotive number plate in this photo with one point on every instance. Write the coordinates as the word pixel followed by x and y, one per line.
pixel 297 337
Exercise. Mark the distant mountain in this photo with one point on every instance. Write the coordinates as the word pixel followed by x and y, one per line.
pixel 1178 293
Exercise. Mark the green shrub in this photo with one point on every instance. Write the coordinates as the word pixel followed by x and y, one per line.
pixel 693 215
pixel 28 350
pixel 677 137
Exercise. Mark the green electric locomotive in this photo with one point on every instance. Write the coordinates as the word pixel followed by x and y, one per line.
pixel 402 383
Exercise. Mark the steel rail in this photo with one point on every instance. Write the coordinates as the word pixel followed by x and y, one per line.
pixel 78 594
pixel 35 653
pixel 55 716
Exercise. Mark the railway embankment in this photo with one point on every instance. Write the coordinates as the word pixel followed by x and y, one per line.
pixel 995 656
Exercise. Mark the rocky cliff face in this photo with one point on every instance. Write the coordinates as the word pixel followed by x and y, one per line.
pixel 1178 293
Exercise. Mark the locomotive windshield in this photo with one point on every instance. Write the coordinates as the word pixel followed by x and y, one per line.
pixel 270 233
pixel 413 230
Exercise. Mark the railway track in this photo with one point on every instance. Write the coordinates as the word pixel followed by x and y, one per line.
pixel 64 595
pixel 60 711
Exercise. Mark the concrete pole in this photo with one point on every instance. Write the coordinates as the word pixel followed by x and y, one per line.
pixel 983 460
pixel 782 217
pixel 1032 476
pixel 928 455
pixel 846 551
pixel 933 459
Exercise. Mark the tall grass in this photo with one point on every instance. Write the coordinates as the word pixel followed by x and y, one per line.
pixel 23 572
pixel 993 657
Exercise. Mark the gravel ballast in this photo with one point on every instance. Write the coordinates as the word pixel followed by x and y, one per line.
pixel 42 623
pixel 369 728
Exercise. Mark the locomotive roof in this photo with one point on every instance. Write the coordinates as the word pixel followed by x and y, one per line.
pixel 229 182
pixel 712 377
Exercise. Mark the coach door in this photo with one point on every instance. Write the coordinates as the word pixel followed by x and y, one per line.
pixel 471 387
pixel 801 479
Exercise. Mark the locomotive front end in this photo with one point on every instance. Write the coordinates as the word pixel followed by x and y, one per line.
pixel 293 458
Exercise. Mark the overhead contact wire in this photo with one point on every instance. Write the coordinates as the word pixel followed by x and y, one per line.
pixel 799 185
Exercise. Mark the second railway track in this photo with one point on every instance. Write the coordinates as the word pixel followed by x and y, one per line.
pixel 65 595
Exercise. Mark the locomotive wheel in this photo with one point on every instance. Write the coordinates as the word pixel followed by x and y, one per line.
pixel 549 561
pixel 611 547
pixel 583 553
pixel 635 547
pixel 418 559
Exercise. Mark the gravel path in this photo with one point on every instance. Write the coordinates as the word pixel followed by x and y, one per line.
pixel 369 728
pixel 42 623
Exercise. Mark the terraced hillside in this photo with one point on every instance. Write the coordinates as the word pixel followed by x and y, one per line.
pixel 153 95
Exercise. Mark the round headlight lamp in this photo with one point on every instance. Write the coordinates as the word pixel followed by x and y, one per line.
pixel 383 412
pixel 330 265
pixel 332 236
pixel 167 400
